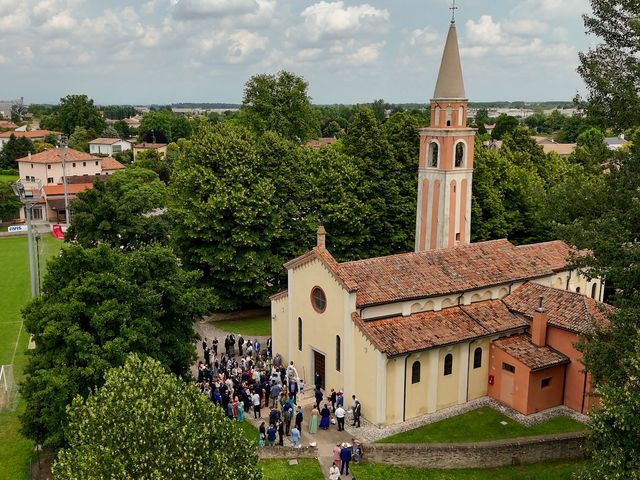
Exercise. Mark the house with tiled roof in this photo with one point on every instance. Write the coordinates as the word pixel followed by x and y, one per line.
pixel 46 169
pixel 453 321
pixel 108 146
pixel 33 135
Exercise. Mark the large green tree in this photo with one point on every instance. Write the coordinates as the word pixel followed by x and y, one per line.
pixel 381 189
pixel 9 203
pixel 97 305
pixel 163 126
pixel 146 423
pixel 279 103
pixel 225 214
pixel 607 222
pixel 15 148
pixel 79 111
pixel 125 211
pixel 611 69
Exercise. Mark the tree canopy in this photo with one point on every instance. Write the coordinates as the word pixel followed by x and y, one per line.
pixel 79 111
pixel 610 69
pixel 97 305
pixel 279 103
pixel 145 423
pixel 125 211
pixel 15 148
pixel 163 127
pixel 606 221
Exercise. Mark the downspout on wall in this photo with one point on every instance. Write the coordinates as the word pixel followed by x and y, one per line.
pixel 404 386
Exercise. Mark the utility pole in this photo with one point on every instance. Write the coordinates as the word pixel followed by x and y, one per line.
pixel 63 147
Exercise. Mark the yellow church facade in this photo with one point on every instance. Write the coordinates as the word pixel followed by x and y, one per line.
pixel 411 355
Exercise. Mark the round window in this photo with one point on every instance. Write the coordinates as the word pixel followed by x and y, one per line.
pixel 318 299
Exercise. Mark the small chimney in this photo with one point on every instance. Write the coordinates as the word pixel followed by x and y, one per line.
pixel 539 325
pixel 321 238
pixel 29 154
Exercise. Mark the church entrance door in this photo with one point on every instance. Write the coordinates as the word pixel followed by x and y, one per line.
pixel 318 366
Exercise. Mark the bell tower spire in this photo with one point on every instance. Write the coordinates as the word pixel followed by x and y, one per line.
pixel 446 158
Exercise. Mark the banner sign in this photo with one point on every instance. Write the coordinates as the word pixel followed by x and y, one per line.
pixel 17 228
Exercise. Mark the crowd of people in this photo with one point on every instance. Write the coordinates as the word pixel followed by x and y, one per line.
pixel 245 379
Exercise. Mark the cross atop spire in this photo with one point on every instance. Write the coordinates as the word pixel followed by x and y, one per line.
pixel 453 9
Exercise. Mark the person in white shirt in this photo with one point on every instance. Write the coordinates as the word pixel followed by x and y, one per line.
pixel 334 472
pixel 340 414
pixel 255 398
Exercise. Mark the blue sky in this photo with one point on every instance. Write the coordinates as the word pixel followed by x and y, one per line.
pixel 162 51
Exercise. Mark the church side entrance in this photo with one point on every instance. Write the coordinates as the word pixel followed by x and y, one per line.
pixel 318 367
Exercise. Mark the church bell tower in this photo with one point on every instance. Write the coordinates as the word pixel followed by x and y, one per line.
pixel 446 159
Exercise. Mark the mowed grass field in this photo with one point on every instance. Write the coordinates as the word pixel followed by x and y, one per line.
pixel 14 294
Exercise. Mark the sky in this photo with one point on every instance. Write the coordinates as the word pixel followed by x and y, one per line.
pixel 350 51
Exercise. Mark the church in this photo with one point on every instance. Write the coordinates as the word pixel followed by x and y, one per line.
pixel 413 333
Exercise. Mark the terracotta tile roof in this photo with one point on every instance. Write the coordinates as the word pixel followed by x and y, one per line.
pixel 8 124
pixel 327 259
pixel 562 149
pixel 280 295
pixel 149 145
pixel 52 155
pixel 451 270
pixel 420 331
pixel 73 188
pixel 29 134
pixel 553 255
pixel 568 310
pixel 321 142
pixel 109 163
pixel 104 141
pixel 522 349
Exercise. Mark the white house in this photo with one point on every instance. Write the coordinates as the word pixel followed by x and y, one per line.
pixel 108 146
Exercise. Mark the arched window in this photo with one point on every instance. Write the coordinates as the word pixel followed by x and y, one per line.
pixel 460 153
pixel 460 116
pixel 593 291
pixel 433 154
pixel 448 364
pixel 577 289
pixel 415 372
pixel 437 119
pixel 448 119
pixel 477 358
pixel 338 353
pixel 299 334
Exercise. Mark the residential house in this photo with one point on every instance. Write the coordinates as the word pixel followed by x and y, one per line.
pixel 161 148
pixel 108 146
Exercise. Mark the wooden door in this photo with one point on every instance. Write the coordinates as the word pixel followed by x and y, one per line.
pixel 318 367
pixel 506 388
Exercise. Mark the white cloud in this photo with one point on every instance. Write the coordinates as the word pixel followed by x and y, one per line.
pixel 198 9
pixel 525 27
pixel 551 9
pixel 485 31
pixel 332 20
pixel 60 22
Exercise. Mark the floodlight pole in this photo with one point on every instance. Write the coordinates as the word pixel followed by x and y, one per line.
pixel 63 147
pixel 27 199
pixel 32 271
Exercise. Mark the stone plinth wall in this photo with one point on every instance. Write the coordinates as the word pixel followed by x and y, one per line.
pixel 269 453
pixel 546 448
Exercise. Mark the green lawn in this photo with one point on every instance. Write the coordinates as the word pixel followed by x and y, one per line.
pixel 249 431
pixel 14 293
pixel 541 471
pixel 481 425
pixel 260 326
pixel 307 469
pixel 8 178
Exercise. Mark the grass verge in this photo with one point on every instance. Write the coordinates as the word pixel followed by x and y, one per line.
pixel 483 424
pixel 540 471
pixel 260 326
pixel 306 469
